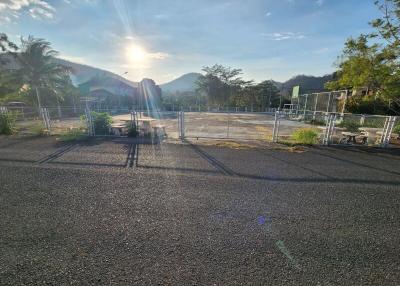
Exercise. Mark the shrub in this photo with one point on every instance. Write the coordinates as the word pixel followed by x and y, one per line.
pixel 7 123
pixel 396 129
pixel 307 136
pixel 350 125
pixel 132 131
pixel 101 122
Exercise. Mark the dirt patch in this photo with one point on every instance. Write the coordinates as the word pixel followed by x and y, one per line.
pixel 241 144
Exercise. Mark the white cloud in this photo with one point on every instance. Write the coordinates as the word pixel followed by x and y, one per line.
pixel 284 36
pixel 268 14
pixel 10 10
pixel 320 2
pixel 158 56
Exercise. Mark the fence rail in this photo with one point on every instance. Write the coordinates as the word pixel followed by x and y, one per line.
pixel 271 125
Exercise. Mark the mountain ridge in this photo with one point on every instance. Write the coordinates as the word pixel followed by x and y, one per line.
pixel 307 83
pixel 185 82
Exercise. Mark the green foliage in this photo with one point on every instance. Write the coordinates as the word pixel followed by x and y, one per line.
pixel 38 74
pixel 350 125
pixel 178 99
pixel 132 131
pixel 7 123
pixel 220 83
pixel 367 104
pixel 396 129
pixel 371 62
pixel 101 122
pixel 308 136
pixel 73 134
pixel 6 46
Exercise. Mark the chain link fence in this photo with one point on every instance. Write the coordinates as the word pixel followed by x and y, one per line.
pixel 287 126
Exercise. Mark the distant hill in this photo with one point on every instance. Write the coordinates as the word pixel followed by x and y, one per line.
pixel 307 83
pixel 83 73
pixel 183 83
pixel 80 73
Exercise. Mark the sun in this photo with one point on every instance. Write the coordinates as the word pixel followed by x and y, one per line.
pixel 136 53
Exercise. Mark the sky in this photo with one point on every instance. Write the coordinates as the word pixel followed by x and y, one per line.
pixel 163 39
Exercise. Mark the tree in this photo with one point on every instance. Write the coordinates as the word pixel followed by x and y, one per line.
pixel 361 66
pixel 269 94
pixel 6 46
pixel 7 50
pixel 373 61
pixel 220 83
pixel 38 70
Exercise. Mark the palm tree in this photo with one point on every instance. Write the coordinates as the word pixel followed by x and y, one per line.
pixel 38 69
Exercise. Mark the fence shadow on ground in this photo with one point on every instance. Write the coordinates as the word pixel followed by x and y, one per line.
pixel 132 148
pixel 344 158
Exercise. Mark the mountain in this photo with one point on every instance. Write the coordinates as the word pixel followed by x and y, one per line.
pixel 83 73
pixel 186 82
pixel 307 83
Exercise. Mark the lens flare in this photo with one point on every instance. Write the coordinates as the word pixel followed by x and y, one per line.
pixel 136 54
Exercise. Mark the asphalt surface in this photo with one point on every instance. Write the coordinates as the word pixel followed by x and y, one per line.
pixel 111 212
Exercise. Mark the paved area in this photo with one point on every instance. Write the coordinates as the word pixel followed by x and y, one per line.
pixel 112 212
pixel 224 125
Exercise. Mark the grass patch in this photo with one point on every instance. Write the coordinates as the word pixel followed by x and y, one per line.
pixel 37 129
pixel 73 134
pixel 306 136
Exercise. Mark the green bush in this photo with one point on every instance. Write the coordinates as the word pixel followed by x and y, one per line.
pixel 396 129
pixel 132 131
pixel 307 136
pixel 101 122
pixel 7 123
pixel 350 125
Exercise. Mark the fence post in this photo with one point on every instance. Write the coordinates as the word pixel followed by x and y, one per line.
pixel 275 132
pixel 329 128
pixel 181 125
pixel 89 122
pixel 44 113
pixel 305 108
pixel 387 131
pixel 48 120
pixel 228 124
pixel 362 120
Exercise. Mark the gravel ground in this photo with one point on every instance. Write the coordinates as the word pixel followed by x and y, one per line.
pixel 111 212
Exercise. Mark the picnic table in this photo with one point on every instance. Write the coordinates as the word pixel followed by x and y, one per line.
pixel 118 128
pixel 146 127
pixel 350 137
